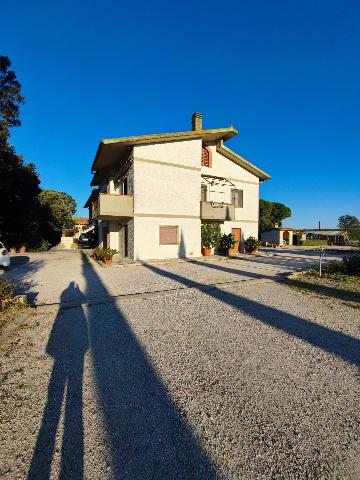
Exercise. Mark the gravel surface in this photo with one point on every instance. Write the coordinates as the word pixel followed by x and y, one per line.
pixel 46 276
pixel 255 380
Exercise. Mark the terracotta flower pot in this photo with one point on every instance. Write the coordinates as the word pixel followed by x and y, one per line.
pixel 22 249
pixel 12 251
pixel 206 252
pixel 108 261
pixel 254 251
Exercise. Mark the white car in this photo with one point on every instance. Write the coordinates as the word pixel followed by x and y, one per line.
pixel 4 257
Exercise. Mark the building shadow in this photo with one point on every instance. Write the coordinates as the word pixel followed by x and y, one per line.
pixel 67 345
pixel 146 435
pixel 331 341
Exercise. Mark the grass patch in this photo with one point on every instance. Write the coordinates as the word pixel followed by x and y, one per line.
pixel 332 284
pixel 9 304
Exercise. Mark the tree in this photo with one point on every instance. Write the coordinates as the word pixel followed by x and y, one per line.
pixel 348 222
pixel 55 213
pixel 271 213
pixel 280 212
pixel 10 99
pixel 19 188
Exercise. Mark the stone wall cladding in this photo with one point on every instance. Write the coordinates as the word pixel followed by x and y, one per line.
pixel 131 231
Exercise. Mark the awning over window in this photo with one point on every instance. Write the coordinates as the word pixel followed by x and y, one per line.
pixel 214 180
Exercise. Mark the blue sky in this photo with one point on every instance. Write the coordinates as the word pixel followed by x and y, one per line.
pixel 285 73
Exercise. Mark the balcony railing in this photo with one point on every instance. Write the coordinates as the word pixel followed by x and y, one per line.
pixel 108 206
pixel 217 211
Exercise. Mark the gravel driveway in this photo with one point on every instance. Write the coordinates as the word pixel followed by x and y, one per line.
pixel 241 380
pixel 46 276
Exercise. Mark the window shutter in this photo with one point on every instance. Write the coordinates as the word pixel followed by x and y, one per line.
pixel 205 157
pixel 237 197
pixel 168 235
pixel 203 193
pixel 241 198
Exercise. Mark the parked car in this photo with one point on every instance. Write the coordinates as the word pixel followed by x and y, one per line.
pixel 86 240
pixel 4 257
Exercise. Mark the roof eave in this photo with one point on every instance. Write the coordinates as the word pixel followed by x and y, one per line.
pixel 239 160
pixel 224 134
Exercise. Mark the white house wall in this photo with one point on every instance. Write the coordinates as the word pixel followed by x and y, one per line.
pixel 146 240
pixel 167 192
pixel 241 178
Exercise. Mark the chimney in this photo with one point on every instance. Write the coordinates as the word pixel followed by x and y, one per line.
pixel 196 121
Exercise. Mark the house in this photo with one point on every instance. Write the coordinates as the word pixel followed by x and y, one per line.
pixel 154 191
pixel 81 224
pixel 279 236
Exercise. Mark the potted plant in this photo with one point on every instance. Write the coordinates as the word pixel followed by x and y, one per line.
pixel 12 250
pixel 210 234
pixel 22 248
pixel 227 243
pixel 252 245
pixel 106 255
pixel 95 254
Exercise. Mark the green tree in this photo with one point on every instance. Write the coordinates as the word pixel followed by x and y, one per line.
pixel 348 222
pixel 271 213
pixel 10 99
pixel 19 183
pixel 55 213
pixel 19 187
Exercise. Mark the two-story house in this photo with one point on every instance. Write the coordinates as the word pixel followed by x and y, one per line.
pixel 154 191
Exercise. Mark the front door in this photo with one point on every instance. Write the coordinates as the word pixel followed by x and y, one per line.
pixel 236 233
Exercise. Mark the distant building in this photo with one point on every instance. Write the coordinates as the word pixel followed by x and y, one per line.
pixel 279 236
pixel 81 225
pixel 331 235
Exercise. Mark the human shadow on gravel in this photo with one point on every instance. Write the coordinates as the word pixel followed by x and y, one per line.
pixel 147 436
pixel 340 344
pixel 67 345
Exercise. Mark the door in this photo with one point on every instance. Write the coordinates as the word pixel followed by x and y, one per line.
pixel 236 233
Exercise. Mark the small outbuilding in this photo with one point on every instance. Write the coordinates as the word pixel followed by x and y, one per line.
pixel 279 236
pixel 332 236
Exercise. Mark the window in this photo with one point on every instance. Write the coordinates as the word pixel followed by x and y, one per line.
pixel 168 235
pixel 124 186
pixel 206 157
pixel 203 193
pixel 237 197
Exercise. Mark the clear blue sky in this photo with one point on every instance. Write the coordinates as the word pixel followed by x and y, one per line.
pixel 285 73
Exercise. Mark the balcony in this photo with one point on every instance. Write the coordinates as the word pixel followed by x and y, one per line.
pixel 110 206
pixel 217 211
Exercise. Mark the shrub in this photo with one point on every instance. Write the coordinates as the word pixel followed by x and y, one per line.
pixel 74 246
pixel 7 290
pixel 335 266
pixel 210 235
pixel 352 264
pixel 43 246
pixel 314 243
pixel 251 244
pixel 61 245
